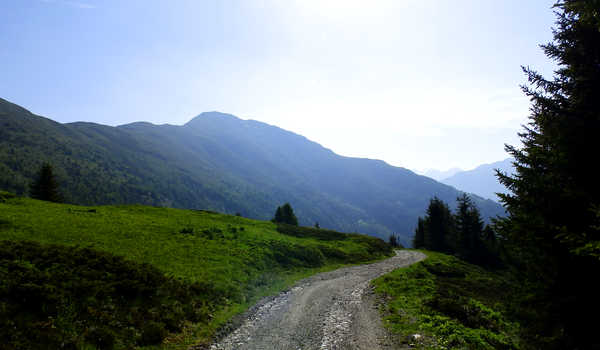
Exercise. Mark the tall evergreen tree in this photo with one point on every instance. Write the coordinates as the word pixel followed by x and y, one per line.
pixel 419 238
pixel 45 186
pixel 468 242
pixel 439 226
pixel 552 225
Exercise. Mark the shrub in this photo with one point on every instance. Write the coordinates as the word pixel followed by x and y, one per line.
pixel 50 293
pixel 101 337
pixel 310 232
pixel 152 333
pixel 334 253
pixel 187 230
pixel 287 254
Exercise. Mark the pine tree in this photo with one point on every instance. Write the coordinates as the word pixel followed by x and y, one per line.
pixel 285 214
pixel 278 216
pixel 468 242
pixel 439 226
pixel 419 238
pixel 552 228
pixel 45 186
pixel 288 215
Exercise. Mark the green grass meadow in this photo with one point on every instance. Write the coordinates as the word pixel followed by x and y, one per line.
pixel 238 259
pixel 451 304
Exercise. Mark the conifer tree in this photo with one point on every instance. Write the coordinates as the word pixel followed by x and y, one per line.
pixel 439 226
pixel 285 214
pixel 278 215
pixel 419 238
pixel 552 228
pixel 288 215
pixel 469 229
pixel 45 186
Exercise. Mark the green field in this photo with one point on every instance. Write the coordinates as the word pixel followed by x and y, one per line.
pixel 450 304
pixel 235 260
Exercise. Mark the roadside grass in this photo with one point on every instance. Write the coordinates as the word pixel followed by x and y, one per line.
pixel 450 304
pixel 238 260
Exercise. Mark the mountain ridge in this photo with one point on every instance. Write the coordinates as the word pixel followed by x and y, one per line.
pixel 225 164
pixel 482 180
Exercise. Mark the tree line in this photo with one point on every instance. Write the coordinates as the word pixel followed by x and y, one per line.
pixel 462 234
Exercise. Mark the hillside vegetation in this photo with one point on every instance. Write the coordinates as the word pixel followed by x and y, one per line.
pixel 218 162
pixel 92 268
pixel 449 304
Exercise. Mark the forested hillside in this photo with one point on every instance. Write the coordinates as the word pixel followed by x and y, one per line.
pixel 219 162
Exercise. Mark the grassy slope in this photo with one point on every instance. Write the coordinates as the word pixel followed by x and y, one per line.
pixel 234 254
pixel 450 303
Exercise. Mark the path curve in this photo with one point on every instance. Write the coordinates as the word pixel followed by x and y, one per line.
pixel 329 311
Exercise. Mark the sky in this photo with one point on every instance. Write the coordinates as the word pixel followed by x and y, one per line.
pixel 422 84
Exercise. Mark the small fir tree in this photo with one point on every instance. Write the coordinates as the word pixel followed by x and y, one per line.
pixel 278 215
pixel 439 226
pixel 467 243
pixel 288 215
pixel 285 214
pixel 45 186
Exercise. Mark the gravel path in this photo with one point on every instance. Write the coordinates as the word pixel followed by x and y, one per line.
pixel 328 311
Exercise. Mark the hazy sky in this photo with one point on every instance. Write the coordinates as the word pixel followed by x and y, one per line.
pixel 419 84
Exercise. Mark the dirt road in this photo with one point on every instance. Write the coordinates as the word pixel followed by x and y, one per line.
pixel 332 310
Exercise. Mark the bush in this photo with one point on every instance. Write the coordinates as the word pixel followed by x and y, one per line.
pixel 4 196
pixel 288 254
pixel 310 232
pixel 334 253
pixel 375 246
pixel 187 230
pixel 101 337
pixel 50 293
pixel 152 333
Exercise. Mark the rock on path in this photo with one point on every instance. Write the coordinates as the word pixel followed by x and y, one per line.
pixel 329 311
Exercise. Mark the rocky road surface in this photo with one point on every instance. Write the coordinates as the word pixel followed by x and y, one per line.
pixel 329 311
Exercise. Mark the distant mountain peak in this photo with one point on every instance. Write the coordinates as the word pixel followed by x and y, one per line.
pixel 482 180
pixel 441 174
pixel 212 116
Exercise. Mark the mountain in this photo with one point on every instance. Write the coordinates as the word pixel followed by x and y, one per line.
pixel 441 174
pixel 219 162
pixel 482 180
